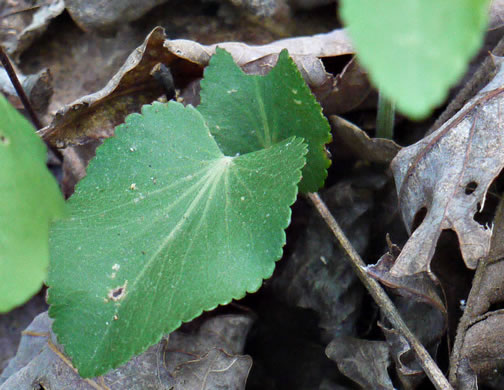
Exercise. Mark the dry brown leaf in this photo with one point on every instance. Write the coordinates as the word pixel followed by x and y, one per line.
pixel 11 326
pixel 210 357
pixel 87 67
pixel 496 14
pixel 448 173
pixel 476 359
pixel 95 116
pixel 214 370
pixel 21 23
pixel 85 122
pixel 428 323
pixel 483 350
pixel 419 286
pixel 352 89
pixel 75 162
pixel 112 13
pixel 39 360
pixel 331 44
pixel 363 361
pixel 38 88
pixel 378 150
pixel 305 51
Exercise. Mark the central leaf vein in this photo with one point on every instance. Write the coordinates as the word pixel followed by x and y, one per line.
pixel 262 113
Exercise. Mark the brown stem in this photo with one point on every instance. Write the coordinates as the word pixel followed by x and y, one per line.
pixel 19 89
pixel 381 298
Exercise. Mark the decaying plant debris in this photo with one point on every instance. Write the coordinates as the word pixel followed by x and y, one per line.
pixel 443 182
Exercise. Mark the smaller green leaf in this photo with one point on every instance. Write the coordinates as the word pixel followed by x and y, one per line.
pixel 246 113
pixel 30 200
pixel 415 50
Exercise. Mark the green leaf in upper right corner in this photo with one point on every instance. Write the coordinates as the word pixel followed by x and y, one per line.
pixel 30 199
pixel 246 113
pixel 415 50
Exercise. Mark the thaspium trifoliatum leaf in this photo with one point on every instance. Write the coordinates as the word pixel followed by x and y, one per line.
pixel 251 112
pixel 171 221
pixel 164 226
pixel 30 200
pixel 415 50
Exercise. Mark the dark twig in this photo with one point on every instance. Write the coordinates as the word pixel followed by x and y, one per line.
pixel 19 89
pixel 381 298
pixel 19 11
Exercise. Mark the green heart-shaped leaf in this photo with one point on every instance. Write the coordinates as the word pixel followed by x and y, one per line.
pixel 163 227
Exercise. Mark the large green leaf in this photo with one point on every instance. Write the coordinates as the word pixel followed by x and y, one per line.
pixel 30 199
pixel 415 50
pixel 163 227
pixel 250 112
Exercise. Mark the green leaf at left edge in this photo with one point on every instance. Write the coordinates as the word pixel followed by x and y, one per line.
pixel 250 112
pixel 163 227
pixel 30 200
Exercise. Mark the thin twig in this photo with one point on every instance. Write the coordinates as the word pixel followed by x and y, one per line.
pixel 19 89
pixel 381 298
pixel 19 11
pixel 64 358
pixel 67 361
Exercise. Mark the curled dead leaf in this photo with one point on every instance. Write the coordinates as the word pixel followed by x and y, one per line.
pixel 448 173
pixel 352 88
pixel 378 150
pixel 484 356
pixel 363 361
pixel 95 116
pixel 21 23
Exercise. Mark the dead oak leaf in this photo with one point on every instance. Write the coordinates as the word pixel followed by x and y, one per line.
pixel 448 174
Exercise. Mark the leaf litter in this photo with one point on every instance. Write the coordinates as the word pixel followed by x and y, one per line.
pixel 449 173
pixel 208 355
pixel 471 353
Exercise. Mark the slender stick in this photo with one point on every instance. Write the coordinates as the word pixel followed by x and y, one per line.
pixel 381 298
pixel 19 89
pixel 385 117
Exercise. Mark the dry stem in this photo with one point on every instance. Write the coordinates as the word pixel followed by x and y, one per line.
pixel 381 298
